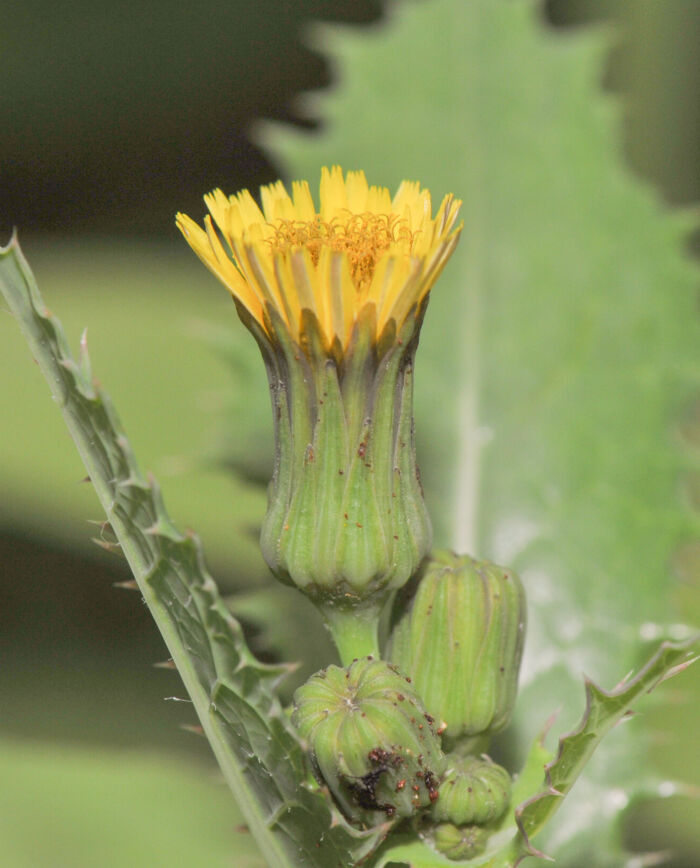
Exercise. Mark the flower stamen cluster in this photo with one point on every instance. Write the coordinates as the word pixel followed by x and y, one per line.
pixel 364 238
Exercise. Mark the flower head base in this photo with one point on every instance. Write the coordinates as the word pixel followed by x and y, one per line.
pixel 335 299
pixel 362 247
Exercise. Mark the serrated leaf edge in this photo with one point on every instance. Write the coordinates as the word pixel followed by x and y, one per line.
pixel 633 687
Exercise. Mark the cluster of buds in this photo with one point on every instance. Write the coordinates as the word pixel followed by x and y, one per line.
pixel 375 746
pixel 453 656
pixel 335 298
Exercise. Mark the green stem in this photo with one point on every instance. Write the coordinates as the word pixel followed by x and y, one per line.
pixel 354 630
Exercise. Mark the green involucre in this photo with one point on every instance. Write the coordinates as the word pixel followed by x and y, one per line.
pixel 457 842
pixel 474 791
pixel 460 638
pixel 371 740
pixel 346 521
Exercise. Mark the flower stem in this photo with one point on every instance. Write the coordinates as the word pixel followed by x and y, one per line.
pixel 354 630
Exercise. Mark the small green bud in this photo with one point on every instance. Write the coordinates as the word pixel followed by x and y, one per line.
pixel 474 791
pixel 460 639
pixel 459 843
pixel 370 739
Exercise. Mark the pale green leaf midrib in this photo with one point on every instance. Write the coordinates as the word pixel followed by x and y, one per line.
pixel 466 55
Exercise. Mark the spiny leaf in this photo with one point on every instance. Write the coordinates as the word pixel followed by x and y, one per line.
pixel 232 692
pixel 604 709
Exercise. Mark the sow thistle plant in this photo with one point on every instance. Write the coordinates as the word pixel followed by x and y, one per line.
pixel 335 300
pixel 385 757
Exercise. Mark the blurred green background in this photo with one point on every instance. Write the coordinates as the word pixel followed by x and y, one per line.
pixel 114 118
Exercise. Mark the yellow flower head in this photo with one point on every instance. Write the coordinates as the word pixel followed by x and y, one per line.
pixel 361 247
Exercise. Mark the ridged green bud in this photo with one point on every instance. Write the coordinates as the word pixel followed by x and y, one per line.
pixel 346 521
pixel 459 843
pixel 460 639
pixel 370 739
pixel 474 791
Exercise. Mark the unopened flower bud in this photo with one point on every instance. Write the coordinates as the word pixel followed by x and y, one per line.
pixel 460 639
pixel 370 739
pixel 459 842
pixel 474 791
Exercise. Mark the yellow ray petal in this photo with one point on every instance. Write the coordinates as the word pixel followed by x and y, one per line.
pixel 303 274
pixel 357 190
pixel 276 203
pixel 408 203
pixel 303 201
pixel 406 294
pixel 285 281
pixel 248 207
pixel 222 267
pixel 399 279
pixel 261 267
pixel 341 291
pixel 333 193
pixel 379 200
